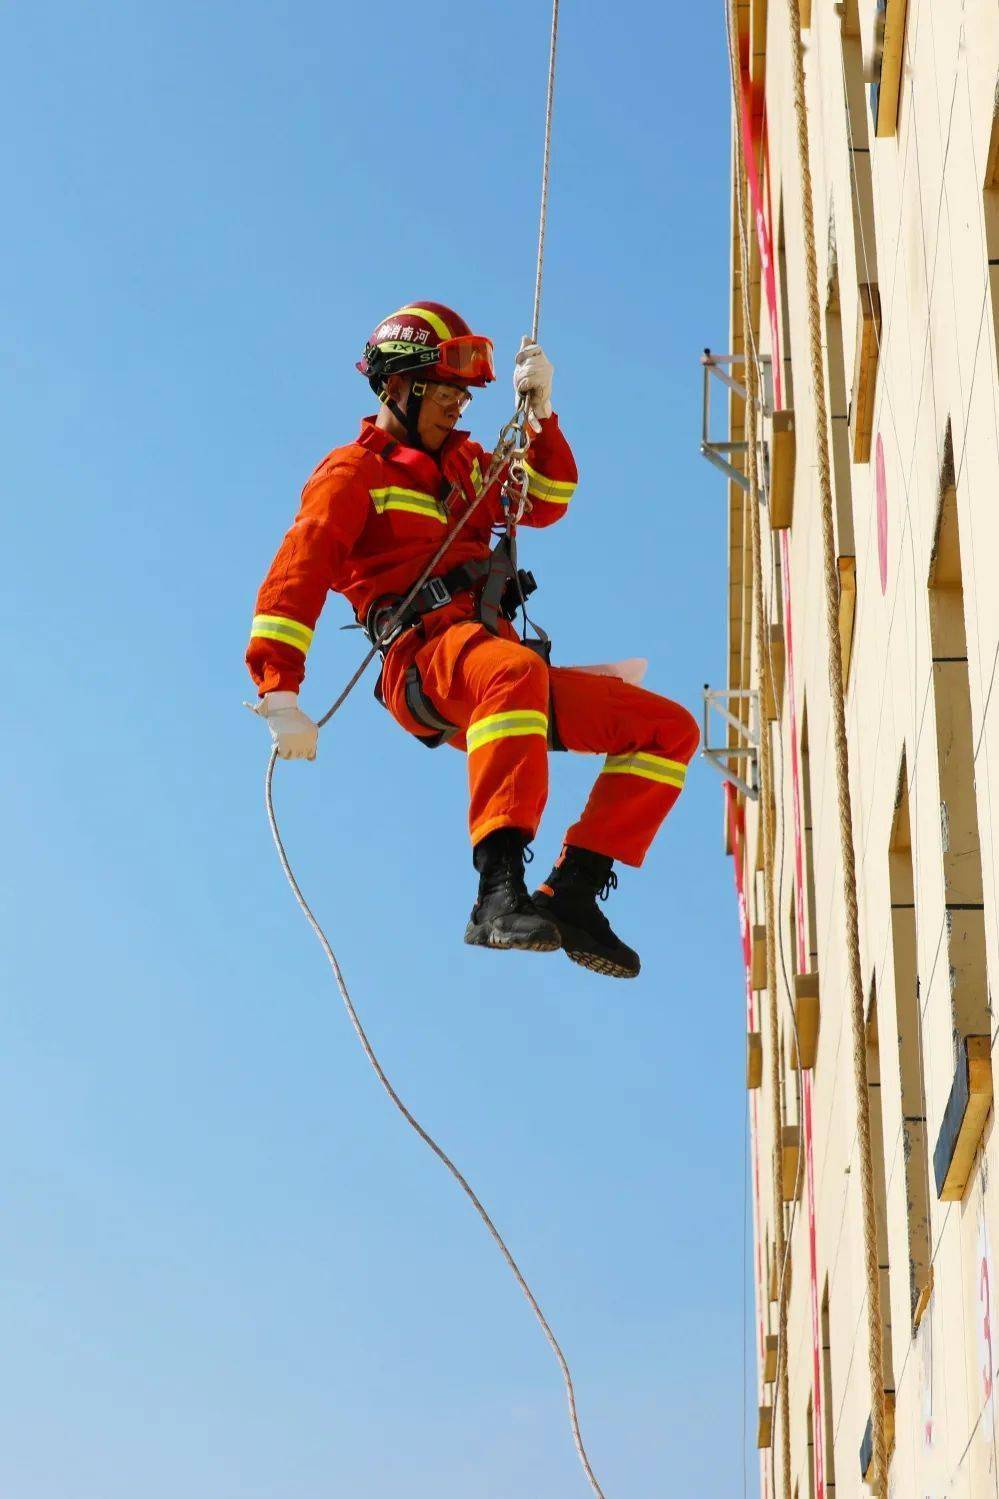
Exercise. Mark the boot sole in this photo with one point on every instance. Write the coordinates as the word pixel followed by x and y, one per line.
pixel 509 941
pixel 603 966
pixel 576 950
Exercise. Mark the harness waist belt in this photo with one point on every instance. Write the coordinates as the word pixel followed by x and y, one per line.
pixel 503 589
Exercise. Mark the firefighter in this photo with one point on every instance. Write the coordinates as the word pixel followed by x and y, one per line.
pixel 372 515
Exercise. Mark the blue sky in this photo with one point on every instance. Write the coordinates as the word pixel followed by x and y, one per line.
pixel 228 1271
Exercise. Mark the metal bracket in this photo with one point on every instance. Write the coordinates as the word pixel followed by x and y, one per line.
pixel 721 366
pixel 746 747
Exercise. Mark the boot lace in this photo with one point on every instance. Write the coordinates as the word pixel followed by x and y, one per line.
pixel 508 877
pixel 609 884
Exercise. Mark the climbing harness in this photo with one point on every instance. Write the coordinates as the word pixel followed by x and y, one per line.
pixel 504 588
pixel 512 440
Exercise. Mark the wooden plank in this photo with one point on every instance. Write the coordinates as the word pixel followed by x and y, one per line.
pixel 964 1119
pixel 865 370
pixel 759 833
pixel 758 965
pixel 770 1359
pixel 923 1301
pixel 806 13
pixel 754 1060
pixel 888 85
pixel 847 611
pixel 758 40
pixel 992 160
pixel 773 675
pixel 765 1427
pixel 790 1151
pixel 782 462
pixel 806 1015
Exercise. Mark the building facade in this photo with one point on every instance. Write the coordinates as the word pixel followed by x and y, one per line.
pixel 904 151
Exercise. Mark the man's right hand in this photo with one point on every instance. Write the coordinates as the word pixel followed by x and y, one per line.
pixel 293 731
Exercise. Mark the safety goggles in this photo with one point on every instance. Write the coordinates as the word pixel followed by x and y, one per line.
pixel 452 399
pixel 469 358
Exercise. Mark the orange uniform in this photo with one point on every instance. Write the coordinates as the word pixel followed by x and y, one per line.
pixel 372 515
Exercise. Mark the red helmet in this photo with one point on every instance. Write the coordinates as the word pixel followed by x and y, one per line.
pixel 430 337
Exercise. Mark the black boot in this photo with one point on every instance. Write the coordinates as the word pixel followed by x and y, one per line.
pixel 570 898
pixel 504 916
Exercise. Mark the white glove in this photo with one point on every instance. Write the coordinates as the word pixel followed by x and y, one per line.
pixel 293 731
pixel 533 373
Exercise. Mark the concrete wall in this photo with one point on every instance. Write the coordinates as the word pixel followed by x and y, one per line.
pixel 924 236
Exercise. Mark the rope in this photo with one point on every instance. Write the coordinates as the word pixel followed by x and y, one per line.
pixel 424 1134
pixel 766 773
pixel 545 172
pixel 506 445
pixel 842 762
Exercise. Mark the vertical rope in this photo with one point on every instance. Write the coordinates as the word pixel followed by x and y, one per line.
pixel 842 761
pixel 545 174
pixel 766 767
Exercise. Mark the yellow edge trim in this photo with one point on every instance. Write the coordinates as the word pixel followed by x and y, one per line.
pixel 512 715
pixel 666 777
pixel 474 742
pixel 644 757
pixel 558 486
pixel 282 622
pixel 437 323
pixel 267 632
pixel 538 493
pixel 412 508
pixel 395 490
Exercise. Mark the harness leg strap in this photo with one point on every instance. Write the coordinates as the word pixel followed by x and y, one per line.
pixel 502 567
pixel 423 710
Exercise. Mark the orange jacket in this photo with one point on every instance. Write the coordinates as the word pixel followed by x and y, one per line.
pixel 370 520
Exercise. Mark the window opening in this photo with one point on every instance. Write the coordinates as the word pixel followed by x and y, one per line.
pixel 839 420
pixel 960 844
pixel 880 1184
pixel 855 99
pixel 812 941
pixel 908 1024
pixel 787 393
pixel 990 195
pixel 827 1404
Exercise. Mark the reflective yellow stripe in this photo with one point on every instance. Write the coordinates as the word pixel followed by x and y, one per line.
pixel 438 324
pixel 274 627
pixel 557 491
pixel 651 767
pixel 506 726
pixel 412 500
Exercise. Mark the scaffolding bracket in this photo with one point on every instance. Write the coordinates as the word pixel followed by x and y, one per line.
pixel 728 758
pixel 721 366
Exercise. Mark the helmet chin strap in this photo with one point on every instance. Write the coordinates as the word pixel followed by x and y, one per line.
pixel 410 418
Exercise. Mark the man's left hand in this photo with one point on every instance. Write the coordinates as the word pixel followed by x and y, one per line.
pixel 533 373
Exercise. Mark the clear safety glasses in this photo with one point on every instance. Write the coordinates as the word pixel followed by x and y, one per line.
pixel 451 399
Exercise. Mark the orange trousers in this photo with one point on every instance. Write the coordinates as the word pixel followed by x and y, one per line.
pixel 503 697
